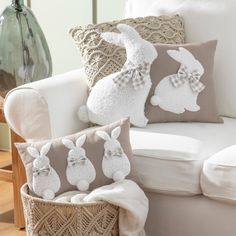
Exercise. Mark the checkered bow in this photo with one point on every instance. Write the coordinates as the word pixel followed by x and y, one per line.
pixel 193 78
pixel 44 170
pixel 133 73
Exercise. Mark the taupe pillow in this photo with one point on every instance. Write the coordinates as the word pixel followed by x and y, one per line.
pixel 177 97
pixel 94 146
pixel 101 58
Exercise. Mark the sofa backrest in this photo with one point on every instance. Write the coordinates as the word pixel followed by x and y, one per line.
pixel 204 20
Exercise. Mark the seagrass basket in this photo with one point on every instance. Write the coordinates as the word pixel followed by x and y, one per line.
pixel 47 218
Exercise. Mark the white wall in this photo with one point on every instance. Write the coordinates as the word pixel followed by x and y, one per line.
pixel 56 17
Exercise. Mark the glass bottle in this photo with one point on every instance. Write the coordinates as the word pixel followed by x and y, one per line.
pixel 24 52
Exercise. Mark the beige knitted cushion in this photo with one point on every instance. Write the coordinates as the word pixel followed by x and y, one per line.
pixel 101 58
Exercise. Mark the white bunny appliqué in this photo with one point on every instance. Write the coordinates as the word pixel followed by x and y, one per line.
pixel 115 164
pixel 80 171
pixel 179 92
pixel 46 181
pixel 123 94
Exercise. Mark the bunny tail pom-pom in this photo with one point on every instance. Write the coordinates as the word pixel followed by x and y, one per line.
pixel 118 176
pixel 83 114
pixel 48 194
pixel 155 100
pixel 83 185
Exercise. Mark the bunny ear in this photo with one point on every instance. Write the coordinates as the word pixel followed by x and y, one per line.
pixel 80 141
pixel 45 149
pixel 174 54
pixel 33 152
pixel 185 53
pixel 103 135
pixel 128 31
pixel 68 143
pixel 114 38
pixel 115 133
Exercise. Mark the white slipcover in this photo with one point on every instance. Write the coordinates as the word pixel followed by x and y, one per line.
pixel 47 108
pixel 218 179
pixel 169 156
pixel 204 20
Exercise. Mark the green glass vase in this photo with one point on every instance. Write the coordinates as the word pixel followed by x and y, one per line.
pixel 24 52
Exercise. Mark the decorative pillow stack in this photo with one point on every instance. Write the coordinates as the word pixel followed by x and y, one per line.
pixel 85 160
pixel 101 58
pixel 182 84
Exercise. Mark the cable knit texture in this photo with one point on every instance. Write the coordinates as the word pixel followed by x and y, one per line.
pixel 101 58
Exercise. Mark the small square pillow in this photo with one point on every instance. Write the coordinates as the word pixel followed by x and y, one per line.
pixel 61 156
pixel 182 84
pixel 101 58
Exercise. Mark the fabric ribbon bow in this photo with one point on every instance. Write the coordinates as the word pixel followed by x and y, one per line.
pixel 77 161
pixel 193 78
pixel 134 73
pixel 44 170
pixel 118 153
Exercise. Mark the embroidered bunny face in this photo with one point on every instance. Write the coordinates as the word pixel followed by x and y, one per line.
pixel 112 147
pixel 77 154
pixel 41 160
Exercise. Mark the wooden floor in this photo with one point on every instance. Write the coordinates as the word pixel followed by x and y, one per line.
pixel 7 227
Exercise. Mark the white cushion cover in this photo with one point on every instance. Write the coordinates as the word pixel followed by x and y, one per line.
pixel 169 156
pixel 218 179
pixel 204 20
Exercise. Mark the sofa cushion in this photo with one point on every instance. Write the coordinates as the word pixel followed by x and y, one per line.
pixel 204 20
pixel 169 156
pixel 219 174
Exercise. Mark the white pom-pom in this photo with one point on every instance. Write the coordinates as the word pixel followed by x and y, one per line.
pixel 83 114
pixel 118 176
pixel 155 100
pixel 48 194
pixel 83 185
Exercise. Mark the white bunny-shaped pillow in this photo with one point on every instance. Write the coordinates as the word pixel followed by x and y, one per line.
pixel 115 163
pixel 123 94
pixel 179 92
pixel 80 170
pixel 46 181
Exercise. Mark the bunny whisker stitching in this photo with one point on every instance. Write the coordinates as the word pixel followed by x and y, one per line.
pixel 44 170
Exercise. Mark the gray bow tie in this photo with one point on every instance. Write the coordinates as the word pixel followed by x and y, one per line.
pixel 134 73
pixel 184 76
pixel 77 161
pixel 44 170
pixel 117 153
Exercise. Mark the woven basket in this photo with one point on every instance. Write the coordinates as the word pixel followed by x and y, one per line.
pixel 47 218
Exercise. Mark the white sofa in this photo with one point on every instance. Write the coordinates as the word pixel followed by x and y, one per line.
pixel 168 157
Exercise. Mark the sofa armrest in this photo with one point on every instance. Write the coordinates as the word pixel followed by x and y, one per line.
pixel 47 108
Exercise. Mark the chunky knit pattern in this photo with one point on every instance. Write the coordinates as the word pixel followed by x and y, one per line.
pixel 48 218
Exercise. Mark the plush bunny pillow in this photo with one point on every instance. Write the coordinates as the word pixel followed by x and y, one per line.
pixel 182 84
pixel 82 161
pixel 123 94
